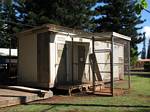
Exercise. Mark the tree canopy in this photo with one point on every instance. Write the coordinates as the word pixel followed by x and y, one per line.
pixel 7 28
pixel 140 5
pixel 70 13
pixel 120 16
pixel 17 15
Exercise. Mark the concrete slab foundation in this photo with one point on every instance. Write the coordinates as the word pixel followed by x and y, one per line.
pixel 9 97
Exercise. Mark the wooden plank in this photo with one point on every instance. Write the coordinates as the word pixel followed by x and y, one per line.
pixel 93 67
pixel 112 65
pixel 129 78
pixel 96 68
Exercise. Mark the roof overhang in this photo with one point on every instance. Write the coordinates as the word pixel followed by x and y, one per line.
pixel 103 36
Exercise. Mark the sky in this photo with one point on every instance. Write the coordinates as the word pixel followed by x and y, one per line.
pixel 146 26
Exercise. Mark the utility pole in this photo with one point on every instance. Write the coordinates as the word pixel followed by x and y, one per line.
pixel 143 53
pixel 148 50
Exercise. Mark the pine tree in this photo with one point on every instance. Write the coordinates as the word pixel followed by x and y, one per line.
pixel 7 29
pixel 70 13
pixel 119 16
pixel 148 50
pixel 143 53
pixel 24 14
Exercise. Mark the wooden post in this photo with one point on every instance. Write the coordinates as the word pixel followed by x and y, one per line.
pixel 9 56
pixel 129 78
pixel 17 59
pixel 112 65
pixel 93 72
pixel 72 59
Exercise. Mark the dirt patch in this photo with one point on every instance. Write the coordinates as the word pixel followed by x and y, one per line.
pixel 78 96
pixel 117 91
pixel 107 92
pixel 144 96
pixel 81 96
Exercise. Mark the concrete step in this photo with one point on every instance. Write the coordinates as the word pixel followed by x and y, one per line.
pixel 9 97
pixel 22 88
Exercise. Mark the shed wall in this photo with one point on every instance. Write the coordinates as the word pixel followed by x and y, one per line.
pixel 60 59
pixel 27 58
pixel 63 60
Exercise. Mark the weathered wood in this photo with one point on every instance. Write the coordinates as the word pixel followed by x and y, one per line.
pixel 129 78
pixel 72 60
pixel 96 68
pixel 81 62
pixel 81 87
pixel 112 65
pixel 43 57
pixel 11 96
pixel 63 35
pixel 93 67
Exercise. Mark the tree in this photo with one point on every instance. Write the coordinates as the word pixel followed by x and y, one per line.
pixel 70 13
pixel 24 14
pixel 141 5
pixel 143 53
pixel 134 55
pixel 148 50
pixel 7 29
pixel 120 16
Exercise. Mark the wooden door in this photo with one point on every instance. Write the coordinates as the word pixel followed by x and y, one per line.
pixel 81 62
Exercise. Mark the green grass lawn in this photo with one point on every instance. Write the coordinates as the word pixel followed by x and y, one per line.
pixel 138 100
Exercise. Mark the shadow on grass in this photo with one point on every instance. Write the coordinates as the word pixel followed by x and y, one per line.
pixel 92 105
pixel 45 110
pixel 140 74
pixel 102 110
pixel 138 110
pixel 134 108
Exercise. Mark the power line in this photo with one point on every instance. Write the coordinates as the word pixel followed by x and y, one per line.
pixel 147 10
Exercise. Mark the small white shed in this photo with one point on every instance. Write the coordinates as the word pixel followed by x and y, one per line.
pixel 51 56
